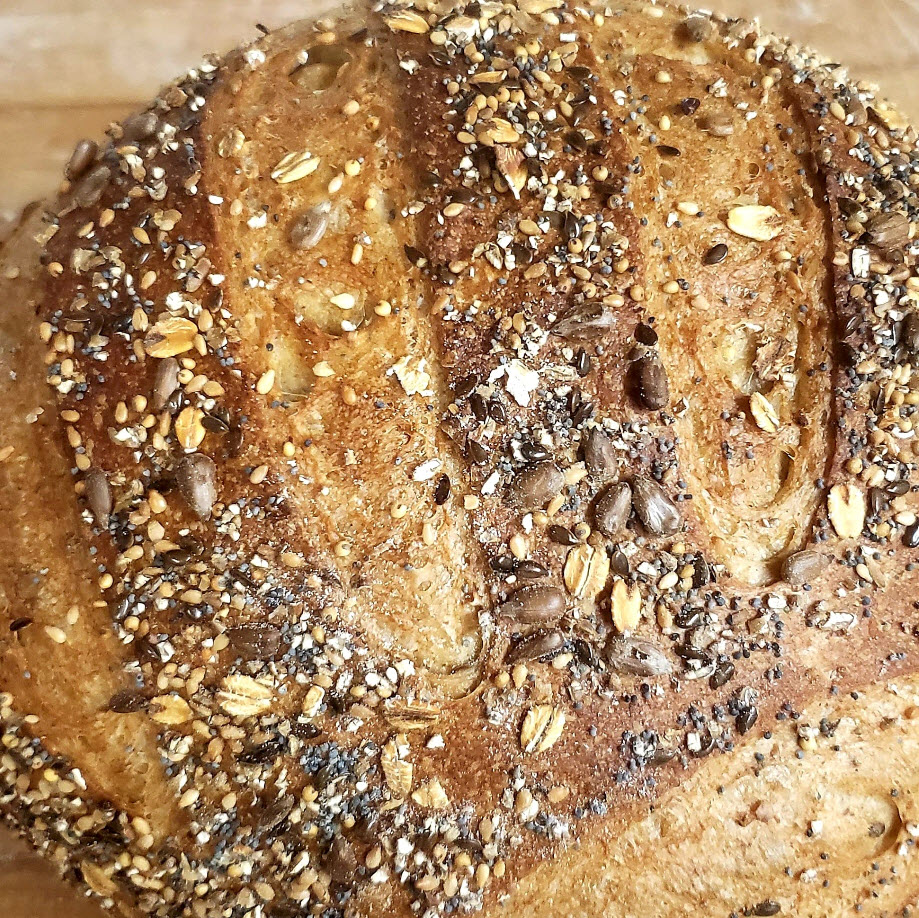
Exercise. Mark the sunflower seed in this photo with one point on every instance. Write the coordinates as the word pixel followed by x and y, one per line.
pixel 98 495
pixel 412 716
pixel 746 719
pixel 478 454
pixel 340 861
pixel 533 605
pixel 127 702
pixel 139 126
pixel 92 185
pixel 196 478
pixel 530 570
pixel 723 674
pixel 396 769
pixel 465 386
pixel 562 535
pixel 535 646
pixel 911 332
pixel 611 512
pixel 803 566
pixel 633 657
pixel 599 453
pixel 442 491
pixel 651 383
pixel 255 641
pixel 83 156
pixel 625 606
pixel 654 507
pixel 697 27
pixel 536 485
pixel 165 382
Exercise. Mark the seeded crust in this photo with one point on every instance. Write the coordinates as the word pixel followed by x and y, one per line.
pixel 462 459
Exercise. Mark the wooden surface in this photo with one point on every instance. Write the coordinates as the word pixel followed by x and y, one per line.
pixel 69 67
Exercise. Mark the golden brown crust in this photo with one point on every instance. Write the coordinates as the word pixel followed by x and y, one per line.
pixel 491 434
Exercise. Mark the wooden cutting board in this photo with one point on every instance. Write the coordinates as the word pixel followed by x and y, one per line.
pixel 70 67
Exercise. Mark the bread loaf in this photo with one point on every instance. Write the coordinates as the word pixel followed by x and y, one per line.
pixel 462 460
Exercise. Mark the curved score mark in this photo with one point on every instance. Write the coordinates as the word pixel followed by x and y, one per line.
pixel 757 325
pixel 411 590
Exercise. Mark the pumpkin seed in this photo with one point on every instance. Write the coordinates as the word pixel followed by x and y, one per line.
pixel 697 27
pixel 83 156
pixel 255 641
pixel 911 332
pixel 165 382
pixel 92 185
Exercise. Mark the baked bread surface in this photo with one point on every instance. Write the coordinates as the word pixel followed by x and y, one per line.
pixel 461 459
